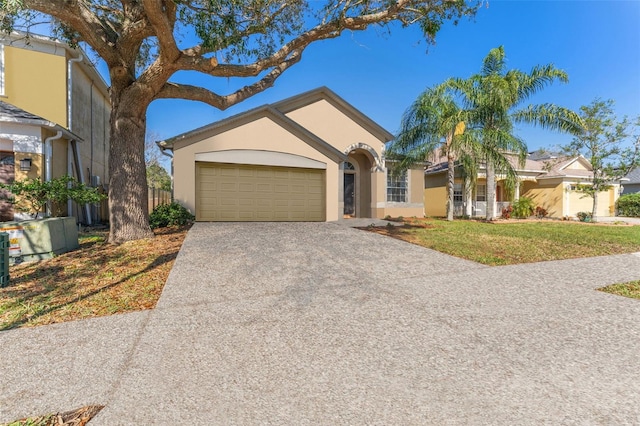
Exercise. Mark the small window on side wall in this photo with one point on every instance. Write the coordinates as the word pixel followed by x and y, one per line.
pixel 457 192
pixel 397 185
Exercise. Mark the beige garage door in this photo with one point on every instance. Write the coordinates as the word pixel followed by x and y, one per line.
pixel 246 193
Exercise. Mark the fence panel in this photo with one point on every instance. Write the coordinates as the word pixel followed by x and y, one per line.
pixel 158 196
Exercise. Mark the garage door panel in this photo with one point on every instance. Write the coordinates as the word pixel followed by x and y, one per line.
pixel 231 192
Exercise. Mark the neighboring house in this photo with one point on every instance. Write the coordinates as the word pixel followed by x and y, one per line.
pixel 550 181
pixel 55 112
pixel 631 183
pixel 312 157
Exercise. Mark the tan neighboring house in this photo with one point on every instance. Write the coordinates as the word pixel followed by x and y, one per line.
pixel 312 157
pixel 551 183
pixel 54 116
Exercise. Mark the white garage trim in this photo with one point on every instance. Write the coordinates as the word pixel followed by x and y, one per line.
pixel 259 158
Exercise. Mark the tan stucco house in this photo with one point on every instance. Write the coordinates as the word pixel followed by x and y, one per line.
pixel 550 181
pixel 312 157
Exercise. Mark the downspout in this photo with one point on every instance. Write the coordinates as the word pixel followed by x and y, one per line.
pixel 48 151
pixel 70 63
pixel 69 88
pixel 163 151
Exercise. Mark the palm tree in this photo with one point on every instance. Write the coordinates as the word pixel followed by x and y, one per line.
pixel 433 123
pixel 493 100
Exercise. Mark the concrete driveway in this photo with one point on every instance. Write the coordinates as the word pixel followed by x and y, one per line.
pixel 305 323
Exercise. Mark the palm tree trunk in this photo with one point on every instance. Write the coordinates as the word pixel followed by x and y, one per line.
pixel 491 191
pixel 450 178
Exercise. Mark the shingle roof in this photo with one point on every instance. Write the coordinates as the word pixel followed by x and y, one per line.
pixel 10 112
pixel 547 167
pixel 634 176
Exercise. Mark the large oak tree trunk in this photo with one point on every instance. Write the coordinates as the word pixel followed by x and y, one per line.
pixel 128 196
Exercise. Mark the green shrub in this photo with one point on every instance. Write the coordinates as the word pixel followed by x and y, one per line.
pixel 523 207
pixel 32 195
pixel 629 205
pixel 170 215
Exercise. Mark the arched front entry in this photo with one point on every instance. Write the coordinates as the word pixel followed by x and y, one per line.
pixel 357 183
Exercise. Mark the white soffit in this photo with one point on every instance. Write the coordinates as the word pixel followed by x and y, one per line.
pixel 260 158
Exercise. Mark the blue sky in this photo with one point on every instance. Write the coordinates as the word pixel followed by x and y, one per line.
pixel 596 42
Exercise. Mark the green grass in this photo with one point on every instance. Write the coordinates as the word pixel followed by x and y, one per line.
pixel 512 243
pixel 630 289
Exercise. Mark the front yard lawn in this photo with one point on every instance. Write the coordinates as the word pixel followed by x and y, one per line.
pixel 630 289
pixel 507 243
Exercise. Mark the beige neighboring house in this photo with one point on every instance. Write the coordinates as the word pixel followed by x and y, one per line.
pixel 312 157
pixel 550 181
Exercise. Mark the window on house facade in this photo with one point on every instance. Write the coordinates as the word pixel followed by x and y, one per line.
pixel 349 166
pixel 397 187
pixel 481 193
pixel 457 192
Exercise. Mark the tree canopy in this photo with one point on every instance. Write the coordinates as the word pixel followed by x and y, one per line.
pixel 144 43
pixel 495 97
pixel 608 143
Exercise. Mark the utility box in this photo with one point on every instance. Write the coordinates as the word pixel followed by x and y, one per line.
pixel 4 259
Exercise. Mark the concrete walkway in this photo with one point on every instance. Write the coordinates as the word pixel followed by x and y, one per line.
pixel 324 324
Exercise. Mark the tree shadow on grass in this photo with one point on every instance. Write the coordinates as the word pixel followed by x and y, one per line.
pixel 158 261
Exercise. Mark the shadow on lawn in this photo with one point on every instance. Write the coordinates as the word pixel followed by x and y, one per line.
pixel 51 290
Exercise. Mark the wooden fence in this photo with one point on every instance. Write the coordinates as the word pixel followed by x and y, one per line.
pixel 157 197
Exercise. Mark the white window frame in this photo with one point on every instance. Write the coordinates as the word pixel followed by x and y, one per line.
pixel 458 192
pixel 481 192
pixel 398 187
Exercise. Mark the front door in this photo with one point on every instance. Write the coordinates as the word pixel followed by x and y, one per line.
pixel 349 194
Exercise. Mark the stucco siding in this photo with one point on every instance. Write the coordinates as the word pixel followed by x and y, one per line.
pixel 36 82
pixel 435 195
pixel 341 133
pixel 549 196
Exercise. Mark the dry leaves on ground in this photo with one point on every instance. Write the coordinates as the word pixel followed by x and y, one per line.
pixel 97 279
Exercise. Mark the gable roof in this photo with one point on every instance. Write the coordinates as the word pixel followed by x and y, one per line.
pixel 195 136
pixel 546 167
pixel 277 112
pixel 324 93
pixel 440 165
pixel 560 168
pixel 12 114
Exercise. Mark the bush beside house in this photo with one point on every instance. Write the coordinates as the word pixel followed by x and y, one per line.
pixel 629 205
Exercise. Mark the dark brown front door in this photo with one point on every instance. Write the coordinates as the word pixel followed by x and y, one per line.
pixel 7 175
pixel 349 194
